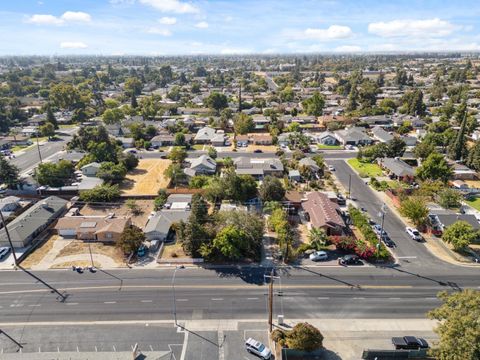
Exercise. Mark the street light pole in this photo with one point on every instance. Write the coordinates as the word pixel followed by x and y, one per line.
pixel 174 300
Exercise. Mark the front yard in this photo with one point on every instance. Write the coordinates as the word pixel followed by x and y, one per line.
pixel 365 169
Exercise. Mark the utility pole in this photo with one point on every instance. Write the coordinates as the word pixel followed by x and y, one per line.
pixel 38 148
pixel 17 265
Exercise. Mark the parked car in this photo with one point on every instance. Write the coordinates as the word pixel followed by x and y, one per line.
pixel 318 256
pixel 349 260
pixel 409 343
pixel 414 233
pixel 4 251
pixel 387 241
pixel 142 251
pixel 257 348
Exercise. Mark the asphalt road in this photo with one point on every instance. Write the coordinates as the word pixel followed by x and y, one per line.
pixel 30 158
pixel 406 249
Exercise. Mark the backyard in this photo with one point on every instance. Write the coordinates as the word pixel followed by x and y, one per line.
pixel 147 178
pixel 365 169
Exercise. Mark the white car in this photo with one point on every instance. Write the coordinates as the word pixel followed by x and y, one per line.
pixel 414 233
pixel 318 256
pixel 257 348
pixel 331 168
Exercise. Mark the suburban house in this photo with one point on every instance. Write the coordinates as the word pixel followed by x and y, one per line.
pixel 353 136
pixel 203 164
pixel 207 135
pixel 8 205
pixel 92 228
pixel 381 135
pixel 258 168
pixel 25 227
pixel 397 169
pixel 323 213
pixel 326 138
pixel 90 169
pixel 262 139
pixel 176 209
pixel 162 140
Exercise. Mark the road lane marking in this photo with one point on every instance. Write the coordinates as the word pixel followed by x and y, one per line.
pixel 215 287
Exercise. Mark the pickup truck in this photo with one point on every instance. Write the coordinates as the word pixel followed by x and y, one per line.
pixel 409 342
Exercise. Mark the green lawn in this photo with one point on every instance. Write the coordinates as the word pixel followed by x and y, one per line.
pixel 329 147
pixel 365 169
pixel 475 203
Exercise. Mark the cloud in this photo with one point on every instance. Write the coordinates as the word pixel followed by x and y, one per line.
pixel 67 17
pixel 159 31
pixel 167 20
pixel 78 16
pixel 73 45
pixel 419 28
pixel 332 33
pixel 174 6
pixel 40 19
pixel 348 48
pixel 202 25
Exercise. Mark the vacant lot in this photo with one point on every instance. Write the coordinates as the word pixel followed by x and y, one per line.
pixel 147 178
pixel 140 219
pixel 365 169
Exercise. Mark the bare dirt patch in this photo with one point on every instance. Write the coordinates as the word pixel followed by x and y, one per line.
pixel 140 219
pixel 147 178
pixel 77 247
pixel 39 253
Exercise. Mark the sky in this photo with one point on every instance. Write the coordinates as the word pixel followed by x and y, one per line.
pixel 189 27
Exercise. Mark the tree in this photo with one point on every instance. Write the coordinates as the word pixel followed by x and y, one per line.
pixel 8 173
pixel 179 139
pixel 161 199
pixel 458 326
pixel 304 337
pixel 55 175
pixel 450 198
pixel 175 173
pixel 423 149
pixel 131 239
pixel 318 237
pixel 460 234
pixel 435 167
pixel 111 172
pixel 101 193
pixel 415 210
pixel 47 130
pixel 314 105
pixel 243 124
pixel 216 101
pixel 112 116
pixel 177 155
pixel 132 205
pixel 271 189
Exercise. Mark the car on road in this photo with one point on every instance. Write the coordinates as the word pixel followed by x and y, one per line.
pixel 409 343
pixel 318 256
pixel 4 251
pixel 414 233
pixel 331 168
pixel 387 241
pixel 257 348
pixel 349 260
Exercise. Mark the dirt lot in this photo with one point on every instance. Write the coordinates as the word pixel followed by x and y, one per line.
pixel 140 220
pixel 147 178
